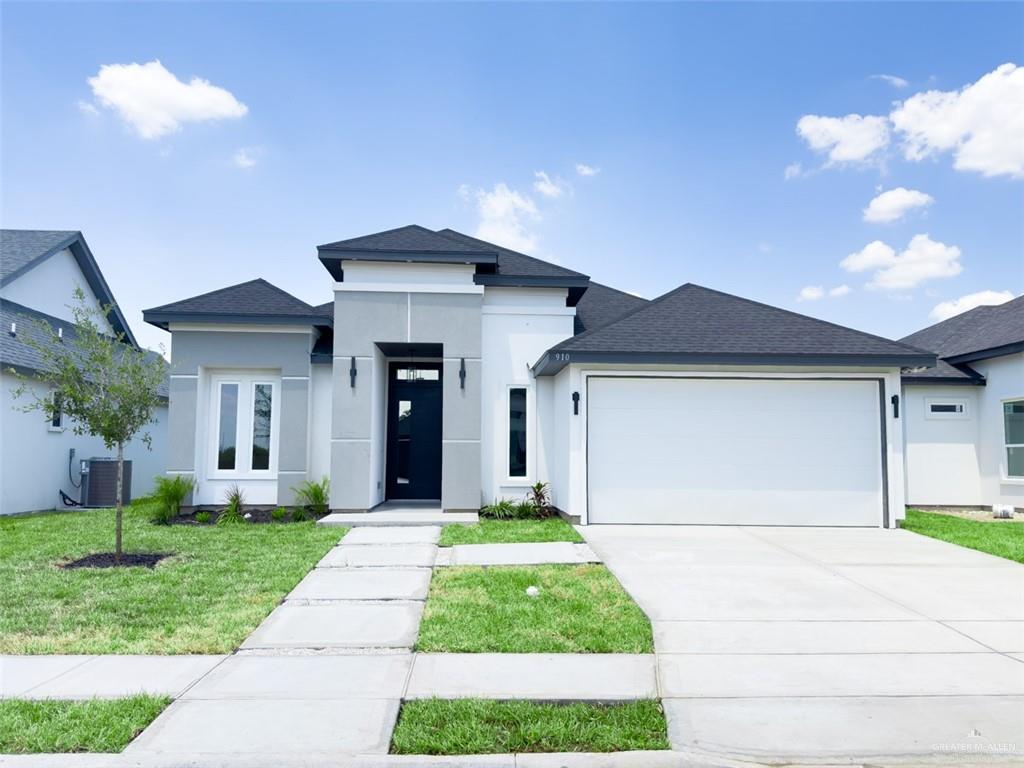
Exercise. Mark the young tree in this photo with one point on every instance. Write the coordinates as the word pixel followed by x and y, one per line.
pixel 103 384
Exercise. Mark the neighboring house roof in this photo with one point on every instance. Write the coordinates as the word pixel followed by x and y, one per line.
pixel 983 332
pixel 693 325
pixel 255 301
pixel 17 353
pixel 22 250
pixel 601 304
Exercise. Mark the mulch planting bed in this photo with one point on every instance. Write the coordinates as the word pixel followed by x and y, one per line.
pixel 259 516
pixel 128 560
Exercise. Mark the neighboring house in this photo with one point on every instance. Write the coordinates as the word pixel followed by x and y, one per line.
pixel 39 272
pixel 964 418
pixel 447 368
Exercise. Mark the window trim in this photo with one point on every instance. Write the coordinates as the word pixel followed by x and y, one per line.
pixel 1005 462
pixel 527 478
pixel 244 427
pixel 963 414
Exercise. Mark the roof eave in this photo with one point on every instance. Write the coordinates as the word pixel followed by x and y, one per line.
pixel 163 319
pixel 576 286
pixel 955 380
pixel 554 360
pixel 985 354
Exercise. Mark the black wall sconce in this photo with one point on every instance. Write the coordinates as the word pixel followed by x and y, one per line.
pixel 895 400
pixel 352 373
pixel 462 373
pixel 575 403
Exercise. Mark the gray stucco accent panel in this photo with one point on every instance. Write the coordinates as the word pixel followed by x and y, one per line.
pixel 461 409
pixel 181 424
pixel 351 415
pixel 288 352
pixel 450 318
pixel 460 475
pixel 293 442
pixel 350 470
pixel 362 319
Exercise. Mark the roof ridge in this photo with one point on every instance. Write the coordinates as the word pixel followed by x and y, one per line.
pixel 814 319
pixel 217 291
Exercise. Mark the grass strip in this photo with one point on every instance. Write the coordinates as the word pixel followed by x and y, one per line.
pixel 1002 539
pixel 510 532
pixel 97 725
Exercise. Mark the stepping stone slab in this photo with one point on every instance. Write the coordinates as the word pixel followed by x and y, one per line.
pixel 548 676
pixel 118 676
pixel 266 728
pixel 423 534
pixel 339 625
pixel 361 556
pixel 306 677
pixel 521 554
pixel 363 584
pixel 20 674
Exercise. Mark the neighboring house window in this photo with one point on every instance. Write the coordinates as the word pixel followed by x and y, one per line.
pixel 57 420
pixel 243 425
pixel 517 432
pixel 1013 426
pixel 945 409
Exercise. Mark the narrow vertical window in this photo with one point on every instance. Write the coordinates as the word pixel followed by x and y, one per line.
pixel 1013 430
pixel 57 416
pixel 228 426
pixel 517 432
pixel 262 404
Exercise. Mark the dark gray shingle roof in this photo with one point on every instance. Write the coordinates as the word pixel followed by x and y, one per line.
pixel 980 329
pixel 16 352
pixel 411 238
pixel 20 247
pixel 255 300
pixel 512 263
pixel 601 305
pixel 697 324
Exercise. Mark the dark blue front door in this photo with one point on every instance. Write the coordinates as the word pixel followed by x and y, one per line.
pixel 414 431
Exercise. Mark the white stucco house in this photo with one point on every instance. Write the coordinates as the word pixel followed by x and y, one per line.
pixel 451 370
pixel 964 418
pixel 39 458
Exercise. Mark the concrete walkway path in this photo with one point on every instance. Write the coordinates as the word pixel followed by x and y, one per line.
pixel 824 644
pixel 544 553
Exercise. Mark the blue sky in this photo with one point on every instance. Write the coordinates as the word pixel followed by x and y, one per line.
pixel 358 118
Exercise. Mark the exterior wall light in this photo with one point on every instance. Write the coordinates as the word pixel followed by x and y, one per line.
pixel 895 400
pixel 352 373
pixel 462 373
pixel 575 403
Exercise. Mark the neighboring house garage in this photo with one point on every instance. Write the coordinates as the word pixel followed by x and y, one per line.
pixel 705 408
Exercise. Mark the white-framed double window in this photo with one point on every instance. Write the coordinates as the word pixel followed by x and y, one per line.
pixel 518 412
pixel 945 408
pixel 244 419
pixel 1013 438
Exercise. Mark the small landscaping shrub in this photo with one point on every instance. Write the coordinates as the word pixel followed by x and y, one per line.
pixel 169 495
pixel 234 512
pixel 203 517
pixel 525 510
pixel 540 495
pixel 279 514
pixel 311 498
pixel 500 509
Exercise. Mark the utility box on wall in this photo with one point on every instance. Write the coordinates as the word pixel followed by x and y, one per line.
pixel 99 482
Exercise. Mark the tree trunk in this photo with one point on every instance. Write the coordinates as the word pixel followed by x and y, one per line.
pixel 120 503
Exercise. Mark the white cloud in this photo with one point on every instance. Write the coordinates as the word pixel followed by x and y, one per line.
pixel 154 102
pixel 587 170
pixel 839 290
pixel 553 188
pixel 874 255
pixel 87 108
pixel 247 157
pixel 893 204
pixel 793 171
pixel 811 293
pixel 922 259
pixel 504 214
pixel 948 309
pixel 893 80
pixel 981 124
pixel 849 139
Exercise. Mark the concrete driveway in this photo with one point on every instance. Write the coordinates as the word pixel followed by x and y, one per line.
pixel 810 644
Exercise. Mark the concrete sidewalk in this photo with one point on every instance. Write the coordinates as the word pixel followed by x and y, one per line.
pixel 542 553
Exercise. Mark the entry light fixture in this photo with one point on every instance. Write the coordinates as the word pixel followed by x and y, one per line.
pixel 895 400
pixel 575 403
pixel 352 373
pixel 462 373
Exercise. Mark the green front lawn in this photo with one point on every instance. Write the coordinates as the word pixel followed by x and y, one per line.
pixel 221 582
pixel 480 726
pixel 509 531
pixel 99 725
pixel 580 609
pixel 1003 539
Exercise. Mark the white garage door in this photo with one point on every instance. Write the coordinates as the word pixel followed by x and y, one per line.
pixel 734 451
